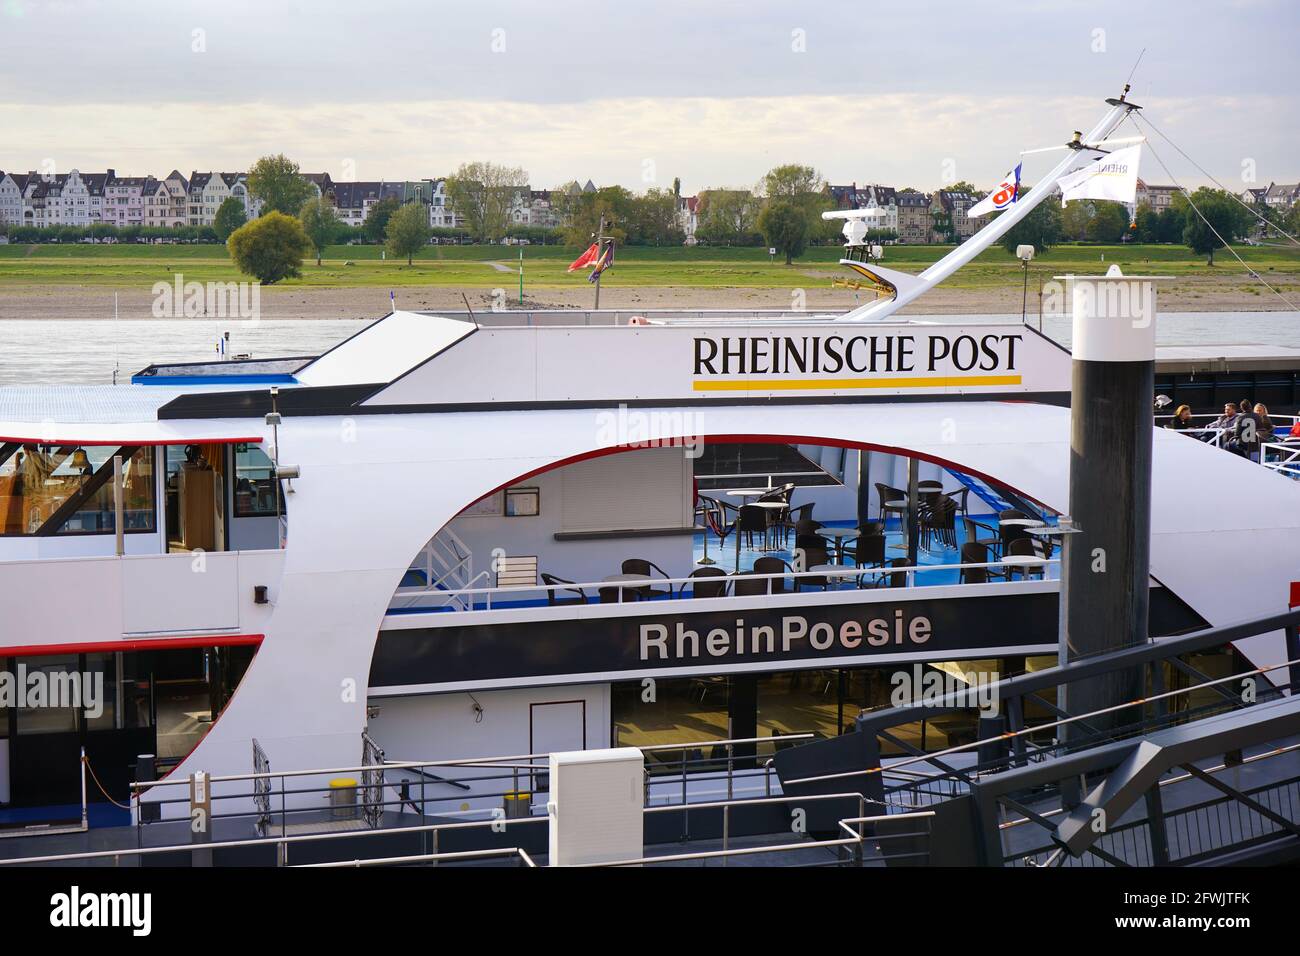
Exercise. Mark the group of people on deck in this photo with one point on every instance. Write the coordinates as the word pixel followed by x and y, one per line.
pixel 1244 427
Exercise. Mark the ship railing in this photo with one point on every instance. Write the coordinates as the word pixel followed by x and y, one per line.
pixel 465 788
pixel 864 578
pixel 1282 457
pixel 447 565
pixel 612 317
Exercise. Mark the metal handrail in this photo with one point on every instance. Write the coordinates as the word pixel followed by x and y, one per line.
pixel 1039 728
pixel 515 851
pixel 847 571
pixel 855 838
pixel 505 761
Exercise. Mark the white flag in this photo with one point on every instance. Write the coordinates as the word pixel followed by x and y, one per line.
pixel 1111 177
pixel 1007 192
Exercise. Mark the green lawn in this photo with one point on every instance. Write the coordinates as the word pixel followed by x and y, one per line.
pixel 703 267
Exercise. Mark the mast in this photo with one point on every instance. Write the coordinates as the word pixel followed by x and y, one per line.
pixel 1081 152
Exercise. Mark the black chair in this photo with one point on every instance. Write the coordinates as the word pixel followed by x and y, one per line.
pixel 744 585
pixel 773 566
pixel 868 551
pixel 708 589
pixel 938 522
pixel 815 554
pixel 975 553
pixel 960 497
pixel 991 538
pixel 553 598
pixel 646 592
pixel 1011 532
pixel 610 595
pixel 799 520
pixel 1027 548
pixel 897 579
pixel 806 526
pixel 749 519
pixel 884 493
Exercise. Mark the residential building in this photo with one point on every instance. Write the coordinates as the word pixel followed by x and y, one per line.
pixel 124 199
pixel 913 217
pixel 1159 198
pixel 209 190
pixel 952 206
pixel 12 186
pixel 1282 195
pixel 166 201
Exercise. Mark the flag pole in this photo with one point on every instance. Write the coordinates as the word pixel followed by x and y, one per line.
pixel 600 250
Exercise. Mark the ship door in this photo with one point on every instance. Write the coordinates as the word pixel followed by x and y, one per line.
pixel 555 726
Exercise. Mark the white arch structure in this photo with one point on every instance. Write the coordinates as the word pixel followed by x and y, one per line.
pixel 375 487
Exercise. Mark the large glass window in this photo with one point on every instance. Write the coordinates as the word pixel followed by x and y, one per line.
pixel 673 711
pixel 37 483
pixel 48 694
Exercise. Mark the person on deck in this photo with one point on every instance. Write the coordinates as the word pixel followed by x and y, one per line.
pixel 1248 432
pixel 1224 426
pixel 1182 419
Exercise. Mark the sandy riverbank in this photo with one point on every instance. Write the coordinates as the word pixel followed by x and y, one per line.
pixel 78 302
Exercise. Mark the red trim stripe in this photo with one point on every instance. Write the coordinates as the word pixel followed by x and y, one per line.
pixel 32 439
pixel 139 644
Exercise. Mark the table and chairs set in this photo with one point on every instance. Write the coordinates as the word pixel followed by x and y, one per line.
pixel 830 557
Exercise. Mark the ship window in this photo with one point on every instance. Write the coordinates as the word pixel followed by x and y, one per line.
pixel 255 491
pixel 68 489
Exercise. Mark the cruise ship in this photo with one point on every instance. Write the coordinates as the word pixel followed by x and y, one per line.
pixel 378 587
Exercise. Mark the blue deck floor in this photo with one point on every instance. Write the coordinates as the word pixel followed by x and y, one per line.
pixel 724 554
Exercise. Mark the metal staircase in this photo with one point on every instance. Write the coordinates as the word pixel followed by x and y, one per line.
pixel 1158 780
pixel 443 568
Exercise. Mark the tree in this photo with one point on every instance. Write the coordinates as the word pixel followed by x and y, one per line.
pixel 1148 223
pixel 408 231
pixel 653 218
pixel 728 216
pixel 376 224
pixel 1108 223
pixel 270 247
pixel 1041 228
pixel 320 223
pixel 1222 213
pixel 582 212
pixel 277 182
pixel 230 216
pixel 805 189
pixel 785 224
pixel 482 194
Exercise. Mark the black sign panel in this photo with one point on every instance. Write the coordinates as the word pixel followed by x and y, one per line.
pixel 954 627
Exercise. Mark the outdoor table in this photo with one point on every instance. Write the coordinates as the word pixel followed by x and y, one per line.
pixel 626 579
pixel 1022 561
pixel 839 534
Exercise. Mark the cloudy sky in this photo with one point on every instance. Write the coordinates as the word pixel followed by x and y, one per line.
pixel 713 91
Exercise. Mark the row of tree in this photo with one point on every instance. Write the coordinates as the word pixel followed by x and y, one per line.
pixel 1204 224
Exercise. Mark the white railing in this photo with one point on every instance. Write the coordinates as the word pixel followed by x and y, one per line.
pixel 468 598
pixel 1287 461
pixel 448 568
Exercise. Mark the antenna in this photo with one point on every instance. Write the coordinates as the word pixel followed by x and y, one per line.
pixel 1134 70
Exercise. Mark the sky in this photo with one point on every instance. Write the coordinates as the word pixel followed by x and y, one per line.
pixel 712 91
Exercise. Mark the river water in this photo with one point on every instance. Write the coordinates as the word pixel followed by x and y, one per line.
pixel 88 351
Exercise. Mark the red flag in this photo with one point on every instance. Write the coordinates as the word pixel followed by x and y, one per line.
pixel 587 258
